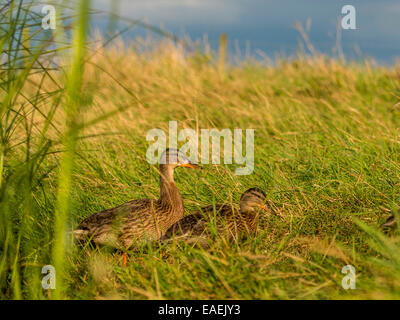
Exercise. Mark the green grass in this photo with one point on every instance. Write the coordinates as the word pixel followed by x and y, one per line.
pixel 327 154
pixel 73 123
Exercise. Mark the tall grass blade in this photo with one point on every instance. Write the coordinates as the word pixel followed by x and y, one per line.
pixel 73 110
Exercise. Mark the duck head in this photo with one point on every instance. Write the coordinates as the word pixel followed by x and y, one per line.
pixel 175 158
pixel 169 160
pixel 253 199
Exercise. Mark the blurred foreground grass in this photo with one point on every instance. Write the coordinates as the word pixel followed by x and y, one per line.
pixel 327 153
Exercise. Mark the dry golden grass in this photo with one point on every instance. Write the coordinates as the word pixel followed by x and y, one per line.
pixel 326 151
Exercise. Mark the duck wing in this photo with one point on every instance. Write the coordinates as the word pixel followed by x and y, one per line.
pixel 105 226
pixel 230 221
pixel 185 226
pixel 196 224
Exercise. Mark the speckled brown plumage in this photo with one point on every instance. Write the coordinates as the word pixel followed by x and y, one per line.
pixel 143 219
pixel 229 220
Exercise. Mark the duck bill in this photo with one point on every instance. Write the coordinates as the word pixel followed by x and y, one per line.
pixel 191 165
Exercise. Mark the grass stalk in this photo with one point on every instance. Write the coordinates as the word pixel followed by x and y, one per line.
pixel 73 110
pixel 223 43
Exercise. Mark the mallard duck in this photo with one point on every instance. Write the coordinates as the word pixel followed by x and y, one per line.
pixel 229 220
pixel 142 219
pixel 391 222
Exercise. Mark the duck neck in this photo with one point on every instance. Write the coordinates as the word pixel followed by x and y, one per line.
pixel 169 193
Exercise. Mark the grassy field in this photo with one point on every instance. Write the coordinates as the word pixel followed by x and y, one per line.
pixel 327 153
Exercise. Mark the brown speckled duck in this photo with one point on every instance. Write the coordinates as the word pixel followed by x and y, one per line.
pixel 229 220
pixel 142 219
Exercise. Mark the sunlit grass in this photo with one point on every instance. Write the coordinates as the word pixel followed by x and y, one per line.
pixel 73 106
pixel 73 143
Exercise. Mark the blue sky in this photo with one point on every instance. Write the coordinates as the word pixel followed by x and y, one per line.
pixel 268 25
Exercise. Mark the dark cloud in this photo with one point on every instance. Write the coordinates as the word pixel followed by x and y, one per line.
pixel 269 24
